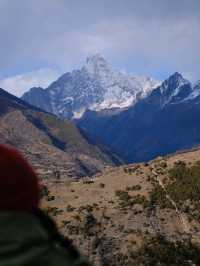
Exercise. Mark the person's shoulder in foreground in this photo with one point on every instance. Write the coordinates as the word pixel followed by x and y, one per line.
pixel 28 237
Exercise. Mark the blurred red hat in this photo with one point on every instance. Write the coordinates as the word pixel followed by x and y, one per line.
pixel 19 187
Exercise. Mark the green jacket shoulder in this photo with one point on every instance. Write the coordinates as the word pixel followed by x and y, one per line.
pixel 27 240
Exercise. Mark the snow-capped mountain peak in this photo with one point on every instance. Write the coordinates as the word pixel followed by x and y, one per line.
pixel 120 89
pixel 174 90
pixel 95 64
pixel 175 81
pixel 96 86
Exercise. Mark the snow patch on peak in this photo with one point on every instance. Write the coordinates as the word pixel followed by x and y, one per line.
pixel 175 89
pixel 196 84
pixel 120 89
pixel 96 65
pixel 173 83
pixel 79 113
pixel 178 79
pixel 195 91
pixel 95 58
pixel 145 83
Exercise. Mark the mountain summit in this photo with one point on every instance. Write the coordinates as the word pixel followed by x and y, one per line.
pixel 96 86
pixel 173 90
pixel 97 65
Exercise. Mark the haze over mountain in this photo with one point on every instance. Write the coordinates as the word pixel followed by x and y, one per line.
pixel 96 86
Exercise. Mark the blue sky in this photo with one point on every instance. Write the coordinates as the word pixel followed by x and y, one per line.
pixel 42 39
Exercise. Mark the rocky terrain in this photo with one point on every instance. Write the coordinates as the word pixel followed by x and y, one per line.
pixel 139 214
pixel 53 146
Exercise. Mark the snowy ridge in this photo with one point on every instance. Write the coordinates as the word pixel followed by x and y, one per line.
pixel 174 90
pixel 121 90
pixel 195 92
pixel 96 86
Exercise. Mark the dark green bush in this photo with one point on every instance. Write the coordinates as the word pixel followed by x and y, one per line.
pixel 159 251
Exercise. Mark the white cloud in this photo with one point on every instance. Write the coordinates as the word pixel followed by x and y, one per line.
pixel 154 37
pixel 19 84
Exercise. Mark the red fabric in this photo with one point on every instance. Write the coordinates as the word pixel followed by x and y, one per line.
pixel 19 187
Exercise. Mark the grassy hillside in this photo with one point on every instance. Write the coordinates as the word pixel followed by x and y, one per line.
pixel 52 145
pixel 69 137
pixel 140 214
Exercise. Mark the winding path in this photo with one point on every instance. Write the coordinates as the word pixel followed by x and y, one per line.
pixel 182 218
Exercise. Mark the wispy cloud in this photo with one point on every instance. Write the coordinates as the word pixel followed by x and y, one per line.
pixel 19 84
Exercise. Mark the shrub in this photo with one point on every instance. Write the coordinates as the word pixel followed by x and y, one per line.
pixel 163 164
pixel 134 188
pixel 89 224
pixel 183 187
pixel 44 191
pixel 70 208
pixel 125 200
pixel 102 185
pixel 53 211
pixel 158 197
pixel 158 250
pixel 88 181
pixel 50 198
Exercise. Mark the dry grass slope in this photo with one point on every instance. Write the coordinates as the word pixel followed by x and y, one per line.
pixel 140 214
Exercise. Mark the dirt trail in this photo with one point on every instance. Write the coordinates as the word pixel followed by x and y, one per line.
pixel 182 218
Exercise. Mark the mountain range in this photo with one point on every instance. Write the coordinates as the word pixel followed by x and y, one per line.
pixel 96 86
pixel 80 127
pixel 165 121
pixel 137 117
pixel 145 213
